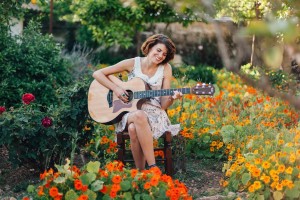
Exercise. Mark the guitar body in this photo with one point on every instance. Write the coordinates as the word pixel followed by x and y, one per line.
pixel 105 107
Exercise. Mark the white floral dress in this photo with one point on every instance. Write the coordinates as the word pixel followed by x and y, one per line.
pixel 157 117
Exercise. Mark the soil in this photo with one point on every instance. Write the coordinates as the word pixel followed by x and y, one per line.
pixel 201 177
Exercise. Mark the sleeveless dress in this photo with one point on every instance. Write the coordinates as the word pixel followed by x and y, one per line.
pixel 157 117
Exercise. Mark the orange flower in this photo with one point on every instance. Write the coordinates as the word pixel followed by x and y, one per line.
pixel 53 192
pixel 84 188
pixel 43 175
pixel 116 187
pixel 78 184
pixel 147 186
pixel 41 191
pixel 113 194
pixel 110 167
pixel 83 197
pixel 103 173
pixel 26 198
pixel 134 173
pixel 104 189
pixel 116 179
pixel 154 180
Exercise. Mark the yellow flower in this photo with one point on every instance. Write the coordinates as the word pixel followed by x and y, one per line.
pixel 266 165
pixel 279 186
pixel 292 158
pixel 220 145
pixel 257 161
pixel 289 170
pixel 280 142
pixel 213 143
pixel 256 172
pixel 275 178
pixel 257 185
pixel 265 179
pixel 251 188
pixel 281 168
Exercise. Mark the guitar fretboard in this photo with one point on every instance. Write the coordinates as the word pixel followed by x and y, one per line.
pixel 158 93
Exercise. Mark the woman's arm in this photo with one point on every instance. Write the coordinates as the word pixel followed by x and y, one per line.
pixel 102 74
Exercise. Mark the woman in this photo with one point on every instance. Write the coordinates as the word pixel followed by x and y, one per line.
pixel 152 120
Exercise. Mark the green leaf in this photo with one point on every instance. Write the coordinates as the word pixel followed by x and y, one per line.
pixel 93 167
pixel 30 189
pixel 206 139
pixel 277 195
pixel 246 178
pixel 228 133
pixel 97 185
pixel 125 185
pixel 88 178
pixel 92 195
pixel 137 197
pixel 60 180
pixel 71 195
pixel 146 196
pixel 127 196
pixel 293 193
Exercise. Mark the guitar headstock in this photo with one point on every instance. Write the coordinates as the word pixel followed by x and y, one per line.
pixel 203 89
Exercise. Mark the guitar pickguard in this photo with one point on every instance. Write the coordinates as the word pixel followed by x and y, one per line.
pixel 119 104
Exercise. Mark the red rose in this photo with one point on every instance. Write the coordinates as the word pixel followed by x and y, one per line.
pixel 27 98
pixel 47 122
pixel 2 109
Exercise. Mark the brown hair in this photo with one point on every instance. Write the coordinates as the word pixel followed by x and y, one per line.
pixel 159 39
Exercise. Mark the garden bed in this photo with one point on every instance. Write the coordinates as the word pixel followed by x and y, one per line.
pixel 201 177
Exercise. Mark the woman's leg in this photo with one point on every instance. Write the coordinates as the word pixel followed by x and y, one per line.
pixel 143 133
pixel 136 149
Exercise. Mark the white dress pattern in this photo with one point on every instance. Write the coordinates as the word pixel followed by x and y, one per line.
pixel 157 117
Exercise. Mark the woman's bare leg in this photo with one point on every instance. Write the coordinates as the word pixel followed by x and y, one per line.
pixel 136 149
pixel 144 134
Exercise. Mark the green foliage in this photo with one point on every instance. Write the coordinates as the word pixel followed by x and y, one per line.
pixel 11 8
pixel 278 78
pixel 100 27
pixel 204 74
pixel 30 63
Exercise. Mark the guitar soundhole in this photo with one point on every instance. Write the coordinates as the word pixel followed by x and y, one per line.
pixel 130 97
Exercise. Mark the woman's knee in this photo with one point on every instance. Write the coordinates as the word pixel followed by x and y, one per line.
pixel 140 116
pixel 132 131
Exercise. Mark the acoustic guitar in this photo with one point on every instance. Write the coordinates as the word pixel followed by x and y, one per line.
pixel 105 107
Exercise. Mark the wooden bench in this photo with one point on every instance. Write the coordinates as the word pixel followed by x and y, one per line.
pixel 125 155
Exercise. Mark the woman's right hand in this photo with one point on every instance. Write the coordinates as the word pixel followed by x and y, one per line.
pixel 121 94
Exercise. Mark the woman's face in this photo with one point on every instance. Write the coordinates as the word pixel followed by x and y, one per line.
pixel 158 53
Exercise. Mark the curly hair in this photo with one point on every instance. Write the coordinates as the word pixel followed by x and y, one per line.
pixel 159 39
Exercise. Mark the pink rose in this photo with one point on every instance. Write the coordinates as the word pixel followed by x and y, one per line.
pixel 2 109
pixel 47 122
pixel 28 98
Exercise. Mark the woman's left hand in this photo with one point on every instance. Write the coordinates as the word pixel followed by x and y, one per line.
pixel 177 95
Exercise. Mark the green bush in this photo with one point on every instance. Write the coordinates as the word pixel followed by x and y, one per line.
pixel 30 63
pixel 201 73
pixel 42 136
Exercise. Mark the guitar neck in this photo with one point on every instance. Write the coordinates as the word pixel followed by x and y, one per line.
pixel 158 93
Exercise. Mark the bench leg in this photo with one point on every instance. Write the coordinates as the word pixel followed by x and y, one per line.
pixel 168 154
